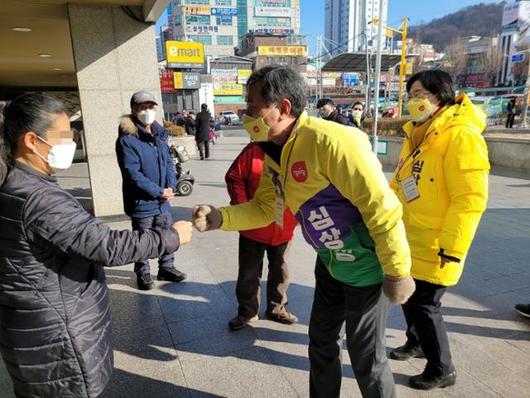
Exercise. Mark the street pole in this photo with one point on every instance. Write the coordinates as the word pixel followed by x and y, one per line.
pixel 377 75
pixel 402 66
pixel 524 122
pixel 319 69
pixel 367 83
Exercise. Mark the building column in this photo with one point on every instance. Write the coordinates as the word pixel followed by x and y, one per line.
pixel 114 56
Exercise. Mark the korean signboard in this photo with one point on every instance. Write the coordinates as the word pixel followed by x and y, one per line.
pixel 231 12
pixel 186 80
pixel 243 75
pixel 166 81
pixel 224 75
pixel 202 29
pixel 196 10
pixel 227 89
pixel 184 54
pixel 293 51
pixel 272 12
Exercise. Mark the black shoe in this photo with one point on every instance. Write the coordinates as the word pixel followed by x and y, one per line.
pixel 145 282
pixel 406 352
pixel 171 275
pixel 240 321
pixel 523 309
pixel 428 381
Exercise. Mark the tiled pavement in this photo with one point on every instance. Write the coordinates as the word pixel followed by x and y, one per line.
pixel 173 341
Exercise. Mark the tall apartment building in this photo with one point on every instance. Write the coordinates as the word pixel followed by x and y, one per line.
pixel 515 19
pixel 273 17
pixel 211 22
pixel 346 26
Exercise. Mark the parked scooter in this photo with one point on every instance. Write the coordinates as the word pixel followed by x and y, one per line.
pixel 185 180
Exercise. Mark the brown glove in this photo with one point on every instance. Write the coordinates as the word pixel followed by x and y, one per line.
pixel 206 218
pixel 398 289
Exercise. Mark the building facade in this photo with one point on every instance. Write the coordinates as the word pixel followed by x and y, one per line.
pixel 275 17
pixel 346 24
pixel 211 22
pixel 516 17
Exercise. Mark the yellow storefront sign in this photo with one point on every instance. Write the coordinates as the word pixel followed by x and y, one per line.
pixel 197 10
pixel 184 54
pixel 227 89
pixel 293 51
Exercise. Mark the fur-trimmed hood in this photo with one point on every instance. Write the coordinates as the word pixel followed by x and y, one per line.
pixel 127 126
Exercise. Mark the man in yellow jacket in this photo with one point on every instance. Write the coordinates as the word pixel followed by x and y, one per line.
pixel 327 175
pixel 442 182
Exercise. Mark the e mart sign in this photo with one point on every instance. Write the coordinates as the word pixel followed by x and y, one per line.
pixel 184 54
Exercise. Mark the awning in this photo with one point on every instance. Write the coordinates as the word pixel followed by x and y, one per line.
pixel 356 62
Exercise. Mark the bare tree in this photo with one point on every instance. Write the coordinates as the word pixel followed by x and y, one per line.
pixel 455 60
pixel 490 63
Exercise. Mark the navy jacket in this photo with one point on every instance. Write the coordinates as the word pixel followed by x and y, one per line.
pixel 55 334
pixel 146 167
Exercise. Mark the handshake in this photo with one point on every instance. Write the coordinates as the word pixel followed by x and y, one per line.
pixel 205 218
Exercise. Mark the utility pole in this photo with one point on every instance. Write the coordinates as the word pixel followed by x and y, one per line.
pixel 377 81
pixel 402 66
pixel 319 69
pixel 524 121
pixel 367 49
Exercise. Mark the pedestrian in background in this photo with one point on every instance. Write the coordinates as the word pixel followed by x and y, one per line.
pixel 55 333
pixel 326 109
pixel 148 180
pixel 328 176
pixel 202 130
pixel 242 180
pixel 511 112
pixel 442 182
pixel 357 115
pixel 190 124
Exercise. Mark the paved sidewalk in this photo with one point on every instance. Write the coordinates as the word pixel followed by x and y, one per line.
pixel 173 341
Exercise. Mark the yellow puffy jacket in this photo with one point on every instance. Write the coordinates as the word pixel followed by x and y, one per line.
pixel 451 171
pixel 334 185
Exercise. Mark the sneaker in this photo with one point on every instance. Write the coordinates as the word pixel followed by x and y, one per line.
pixel 523 309
pixel 428 381
pixel 406 352
pixel 145 282
pixel 283 316
pixel 240 321
pixel 171 275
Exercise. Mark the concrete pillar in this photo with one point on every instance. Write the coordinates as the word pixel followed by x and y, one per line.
pixel 115 56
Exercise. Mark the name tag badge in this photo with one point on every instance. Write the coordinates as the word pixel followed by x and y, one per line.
pixel 279 211
pixel 410 189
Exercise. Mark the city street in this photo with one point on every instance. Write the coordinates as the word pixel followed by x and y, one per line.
pixel 173 341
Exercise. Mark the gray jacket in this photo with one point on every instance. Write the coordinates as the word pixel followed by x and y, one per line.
pixel 54 307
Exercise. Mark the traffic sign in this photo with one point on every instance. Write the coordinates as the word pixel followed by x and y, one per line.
pixel 518 57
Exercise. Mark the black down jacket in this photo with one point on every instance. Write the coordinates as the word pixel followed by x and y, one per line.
pixel 55 336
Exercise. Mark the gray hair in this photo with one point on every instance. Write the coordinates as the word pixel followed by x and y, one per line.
pixel 279 82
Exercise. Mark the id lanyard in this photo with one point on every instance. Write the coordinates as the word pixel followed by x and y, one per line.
pixel 279 207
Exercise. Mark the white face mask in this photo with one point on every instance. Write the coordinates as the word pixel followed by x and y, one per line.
pixel 60 156
pixel 357 113
pixel 325 112
pixel 146 116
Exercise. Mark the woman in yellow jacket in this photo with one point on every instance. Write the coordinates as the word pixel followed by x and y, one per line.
pixel 442 182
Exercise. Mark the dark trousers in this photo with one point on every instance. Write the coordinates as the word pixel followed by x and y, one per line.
pixel 163 220
pixel 510 120
pixel 204 149
pixel 251 255
pixel 426 327
pixel 364 310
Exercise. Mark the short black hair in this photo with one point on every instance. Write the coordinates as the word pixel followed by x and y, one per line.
pixel 324 101
pixel 357 103
pixel 279 82
pixel 204 107
pixel 437 82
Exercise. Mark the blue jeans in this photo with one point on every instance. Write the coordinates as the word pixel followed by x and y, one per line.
pixel 163 220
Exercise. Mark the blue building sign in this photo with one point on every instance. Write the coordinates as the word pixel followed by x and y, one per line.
pixel 231 12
